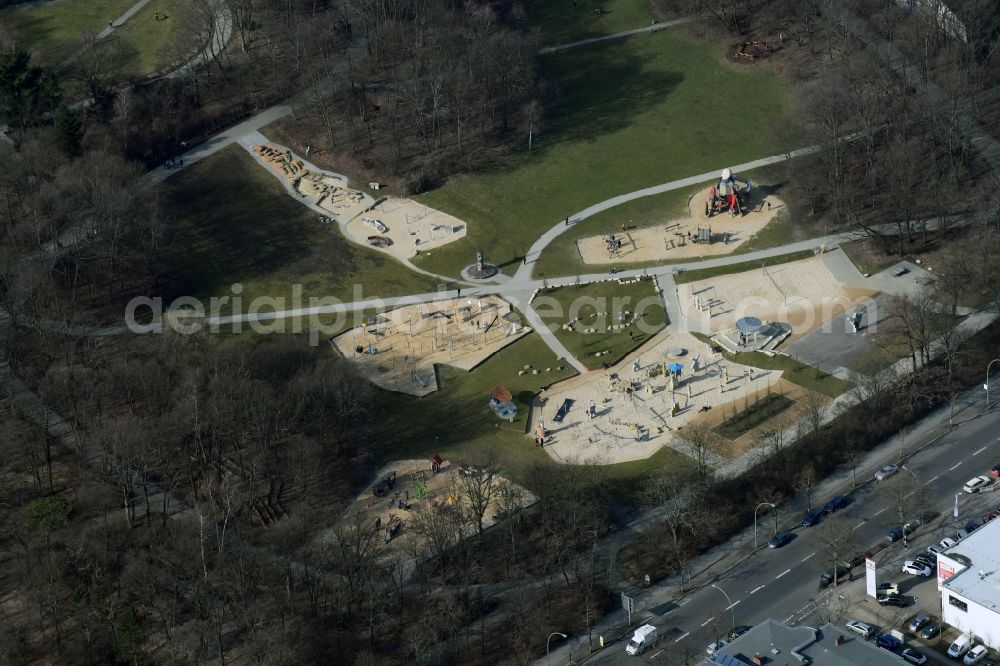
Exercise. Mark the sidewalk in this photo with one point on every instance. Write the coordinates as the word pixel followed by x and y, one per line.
pixel 709 566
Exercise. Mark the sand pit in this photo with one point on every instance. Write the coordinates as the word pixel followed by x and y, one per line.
pixel 633 407
pixel 397 350
pixel 803 294
pixel 416 486
pixel 670 240
pixel 410 227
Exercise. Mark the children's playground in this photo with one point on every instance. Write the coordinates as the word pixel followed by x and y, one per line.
pixel 630 411
pixel 800 295
pixel 390 506
pixel 403 227
pixel 721 218
pixel 397 350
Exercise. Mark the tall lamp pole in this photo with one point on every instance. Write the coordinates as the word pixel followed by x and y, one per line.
pixel 987 384
pixel 554 633
pixel 732 606
pixel 755 520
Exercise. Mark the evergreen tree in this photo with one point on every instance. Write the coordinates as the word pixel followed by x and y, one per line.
pixel 69 132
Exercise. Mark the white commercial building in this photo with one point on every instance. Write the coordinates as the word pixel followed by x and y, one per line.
pixel 969 582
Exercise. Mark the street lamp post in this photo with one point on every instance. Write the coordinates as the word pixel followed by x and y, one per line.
pixel 987 384
pixel 554 633
pixel 732 606
pixel 755 520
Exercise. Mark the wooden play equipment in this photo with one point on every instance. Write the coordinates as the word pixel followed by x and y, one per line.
pixel 753 49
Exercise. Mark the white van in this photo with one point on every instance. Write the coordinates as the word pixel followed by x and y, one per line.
pixel 644 637
pixel 960 646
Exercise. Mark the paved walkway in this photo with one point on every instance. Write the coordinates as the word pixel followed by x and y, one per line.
pixel 655 27
pixel 120 21
pixel 222 31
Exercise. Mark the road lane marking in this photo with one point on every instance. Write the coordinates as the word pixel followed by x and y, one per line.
pixel 757 589
pixel 782 574
pixel 979 451
pixel 955 466
pixel 861 524
pixel 808 556
pixel 684 636
pixel 657 654
pixel 730 606
pixel 931 480
pixel 707 621
pixel 879 511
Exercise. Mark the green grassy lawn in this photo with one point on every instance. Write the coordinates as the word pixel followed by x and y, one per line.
pixel 54 31
pixel 557 306
pixel 235 223
pixel 154 44
pixel 562 21
pixel 457 420
pixel 630 114
pixel 866 258
pixel 704 273
pixel 804 375
pixel 757 413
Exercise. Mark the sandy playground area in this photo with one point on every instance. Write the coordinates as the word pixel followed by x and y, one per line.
pixel 803 294
pixel 397 350
pixel 671 239
pixel 403 489
pixel 410 227
pixel 633 401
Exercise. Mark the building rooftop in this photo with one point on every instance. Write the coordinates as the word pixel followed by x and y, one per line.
pixel 778 644
pixel 979 582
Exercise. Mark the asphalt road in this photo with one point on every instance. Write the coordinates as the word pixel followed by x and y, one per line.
pixel 784 583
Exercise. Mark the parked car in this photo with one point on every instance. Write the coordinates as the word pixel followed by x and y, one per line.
pixel 887 642
pixel 975 485
pixel 960 646
pixel 975 655
pixel 897 600
pixel 916 569
pixel 896 533
pixel 862 629
pixel 918 622
pixel 885 472
pixel 887 588
pixel 827 578
pixel 812 517
pixel 779 539
pixel 739 631
pixel 962 533
pixel 716 646
pixel 836 504
pixel 928 559
pixel 995 471
pixel 914 657
pixel 947 543
pixel 930 630
pixel 935 550
pixel 992 514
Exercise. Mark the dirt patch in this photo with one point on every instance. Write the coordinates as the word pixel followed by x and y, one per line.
pixel 803 294
pixel 397 350
pixel 409 226
pixel 676 239
pixel 404 489
pixel 633 401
